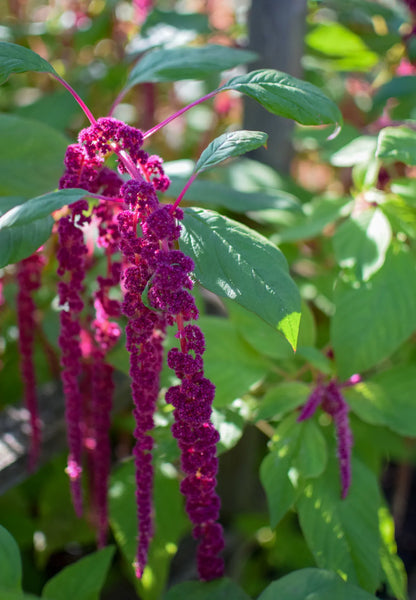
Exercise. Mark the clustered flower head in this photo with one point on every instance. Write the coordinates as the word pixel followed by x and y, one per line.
pixel 29 280
pixel 331 400
pixel 155 278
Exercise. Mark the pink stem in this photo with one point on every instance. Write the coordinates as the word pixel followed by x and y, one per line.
pixel 117 101
pixel 177 114
pixel 183 192
pixel 82 104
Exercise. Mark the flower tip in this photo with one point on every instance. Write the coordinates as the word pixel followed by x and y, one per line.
pixel 138 569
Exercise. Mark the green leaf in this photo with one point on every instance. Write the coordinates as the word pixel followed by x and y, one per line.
pixel 236 262
pixel 229 361
pixel 344 534
pixel 186 62
pixel 391 563
pixel 287 96
pixel 17 59
pixel 282 470
pixel 82 580
pixel 10 562
pixel 8 595
pixel 25 227
pixel 397 144
pixel 31 156
pixel 220 589
pixel 333 39
pixel 311 584
pixel 281 399
pixel 387 399
pixel 372 320
pixel 264 338
pixel 358 151
pixel 170 524
pixel 317 214
pixel 204 192
pixel 361 243
pixel 229 144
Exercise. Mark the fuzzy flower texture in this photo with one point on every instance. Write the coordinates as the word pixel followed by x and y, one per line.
pixel 331 400
pixel 155 277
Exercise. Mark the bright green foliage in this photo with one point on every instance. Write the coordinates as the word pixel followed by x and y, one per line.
pixel 228 145
pixel 10 562
pixel 16 59
pixel 82 580
pixel 230 258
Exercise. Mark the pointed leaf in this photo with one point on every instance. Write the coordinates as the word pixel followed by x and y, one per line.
pixel 186 62
pixel 311 584
pixel 25 227
pixel 372 320
pixel 31 156
pixel 234 261
pixel 298 452
pixel 344 534
pixel 230 144
pixel 82 580
pixel 17 59
pixel 287 96
pixel 10 562
pixel 398 144
pixel 361 243
pixel 387 399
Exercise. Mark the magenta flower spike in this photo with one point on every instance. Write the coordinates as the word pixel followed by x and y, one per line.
pixel 332 402
pixel 29 280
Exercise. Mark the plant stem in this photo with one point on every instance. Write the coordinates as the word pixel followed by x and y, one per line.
pixel 177 114
pixel 183 192
pixel 82 104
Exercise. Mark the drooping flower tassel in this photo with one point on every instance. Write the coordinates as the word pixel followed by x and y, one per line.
pixel 29 280
pixel 71 259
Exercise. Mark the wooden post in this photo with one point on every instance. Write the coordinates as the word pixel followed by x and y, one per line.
pixel 276 33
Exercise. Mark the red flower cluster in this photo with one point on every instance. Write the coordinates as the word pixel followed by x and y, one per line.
pixel 155 277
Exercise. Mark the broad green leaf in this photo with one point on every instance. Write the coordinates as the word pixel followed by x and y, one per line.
pixel 31 156
pixel 361 243
pixel 17 59
pixel 9 202
pixel 186 62
pixel 236 262
pixel 317 214
pixel 281 399
pixel 333 39
pixel 287 96
pixel 298 452
pixel 387 399
pixel 264 338
pixel 398 144
pixel 313 584
pixel 82 580
pixel 229 361
pixel 372 320
pixel 25 227
pixel 220 589
pixel 10 562
pixel 312 455
pixel 170 524
pixel 316 358
pixel 391 563
pixel 207 193
pixel 405 188
pixel 344 534
pixel 229 144
pixel 358 151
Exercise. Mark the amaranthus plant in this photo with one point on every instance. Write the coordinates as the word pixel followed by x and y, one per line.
pixel 128 252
